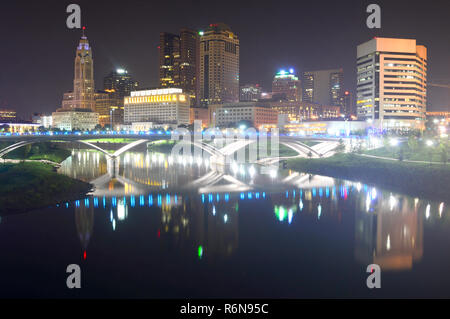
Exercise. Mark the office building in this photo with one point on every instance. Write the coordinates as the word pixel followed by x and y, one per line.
pixel 178 62
pixel 323 87
pixel 231 114
pixel 219 65
pixel 160 106
pixel 169 60
pixel 41 119
pixel 7 116
pixel 294 112
pixel 286 86
pixel 391 83
pixel 109 108
pixel 109 102
pixel 199 114
pixel 347 104
pixel 189 67
pixel 75 119
pixel 119 83
pixel 250 93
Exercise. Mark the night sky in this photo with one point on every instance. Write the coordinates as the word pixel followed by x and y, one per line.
pixel 37 50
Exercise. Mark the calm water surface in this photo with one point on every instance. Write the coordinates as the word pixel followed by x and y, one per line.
pixel 163 227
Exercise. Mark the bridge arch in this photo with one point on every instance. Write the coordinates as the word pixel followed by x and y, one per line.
pixel 123 149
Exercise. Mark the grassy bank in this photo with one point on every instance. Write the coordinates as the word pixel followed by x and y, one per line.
pixel 41 151
pixel 422 180
pixel 26 186
pixel 420 154
pixel 111 140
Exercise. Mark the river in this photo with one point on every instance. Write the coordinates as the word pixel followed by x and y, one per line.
pixel 158 226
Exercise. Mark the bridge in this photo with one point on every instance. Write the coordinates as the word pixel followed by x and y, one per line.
pixel 218 154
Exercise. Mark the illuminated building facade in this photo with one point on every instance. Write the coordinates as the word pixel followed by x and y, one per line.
pixel 347 105
pixel 189 67
pixel 162 106
pixel 199 114
pixel 228 115
pixel 178 62
pixel 302 111
pixel 250 93
pixel 323 87
pixel 391 83
pixel 42 120
pixel 7 116
pixel 286 86
pixel 82 96
pixel 169 60
pixel 109 108
pixel 119 83
pixel 219 65
pixel 75 119
pixel 338 128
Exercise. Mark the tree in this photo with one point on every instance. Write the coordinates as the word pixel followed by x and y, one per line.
pixel 444 153
pixel 4 128
pixel 42 129
pixel 341 147
pixel 413 144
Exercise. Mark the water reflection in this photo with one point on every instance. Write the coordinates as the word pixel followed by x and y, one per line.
pixel 199 206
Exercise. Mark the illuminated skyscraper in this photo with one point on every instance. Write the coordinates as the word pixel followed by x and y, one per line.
pixel 250 93
pixel 324 87
pixel 82 96
pixel 189 45
pixel 219 65
pixel 391 83
pixel 286 86
pixel 178 67
pixel 169 60
pixel 120 82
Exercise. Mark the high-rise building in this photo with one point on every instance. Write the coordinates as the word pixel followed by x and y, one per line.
pixel 119 83
pixel 286 86
pixel 347 105
pixel 161 106
pixel 109 108
pixel 169 60
pixel 323 87
pixel 391 83
pixel 219 65
pixel 178 66
pixel 250 93
pixel 7 116
pixel 82 96
pixel 189 67
pixel 109 102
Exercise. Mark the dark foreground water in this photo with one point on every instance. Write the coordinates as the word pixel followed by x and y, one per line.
pixel 163 227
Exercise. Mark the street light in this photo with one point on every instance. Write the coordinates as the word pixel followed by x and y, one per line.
pixel 430 144
pixel 110 119
pixel 394 142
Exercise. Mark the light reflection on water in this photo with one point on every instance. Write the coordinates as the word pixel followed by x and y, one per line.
pixel 202 214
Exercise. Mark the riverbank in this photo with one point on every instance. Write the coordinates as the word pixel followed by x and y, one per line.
pixel 26 186
pixel 42 151
pixel 415 179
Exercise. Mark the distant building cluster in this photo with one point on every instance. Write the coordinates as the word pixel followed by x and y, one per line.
pixel 199 80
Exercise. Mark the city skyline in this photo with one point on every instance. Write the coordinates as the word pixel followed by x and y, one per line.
pixel 121 48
